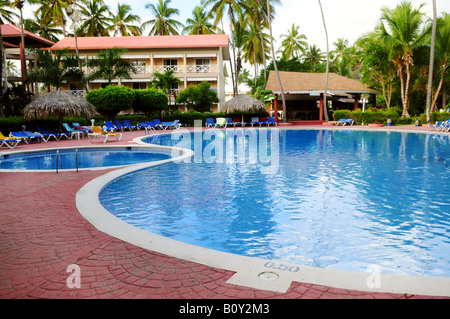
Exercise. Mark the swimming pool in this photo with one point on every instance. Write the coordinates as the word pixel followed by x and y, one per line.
pixel 332 199
pixel 80 158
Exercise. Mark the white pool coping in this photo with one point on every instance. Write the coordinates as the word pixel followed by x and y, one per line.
pixel 249 271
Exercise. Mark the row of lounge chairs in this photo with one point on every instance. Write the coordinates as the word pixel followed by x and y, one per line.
pixel 228 121
pixel 441 126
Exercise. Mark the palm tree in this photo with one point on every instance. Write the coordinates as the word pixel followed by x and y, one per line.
pixel 121 22
pixel 325 105
pixel 110 65
pixel 53 11
pixel 218 9
pixel 19 5
pixel 163 24
pixel 95 17
pixel 269 20
pixel 314 57
pixel 442 53
pixel 49 31
pixel 165 82
pixel 430 71
pixel 402 29
pixel 254 50
pixel 199 23
pixel 6 15
pixel 293 43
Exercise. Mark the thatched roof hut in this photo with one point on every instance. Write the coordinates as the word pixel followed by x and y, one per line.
pixel 59 104
pixel 243 103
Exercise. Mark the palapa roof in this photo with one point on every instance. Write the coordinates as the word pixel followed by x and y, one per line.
pixel 58 103
pixel 306 83
pixel 243 103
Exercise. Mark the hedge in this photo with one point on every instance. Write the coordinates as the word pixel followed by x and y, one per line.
pixel 372 116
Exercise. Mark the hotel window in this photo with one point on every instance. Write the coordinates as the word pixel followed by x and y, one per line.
pixel 139 85
pixel 139 66
pixel 171 64
pixel 202 65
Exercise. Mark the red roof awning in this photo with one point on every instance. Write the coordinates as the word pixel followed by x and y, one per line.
pixel 12 35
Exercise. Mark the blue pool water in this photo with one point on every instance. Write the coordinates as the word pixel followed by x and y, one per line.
pixel 332 199
pixel 87 158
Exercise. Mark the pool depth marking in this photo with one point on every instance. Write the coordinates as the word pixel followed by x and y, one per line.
pixel 249 271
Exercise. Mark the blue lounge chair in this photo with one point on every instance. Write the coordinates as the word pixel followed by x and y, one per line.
pixel 157 123
pixel 255 120
pixel 441 126
pixel 78 127
pixel 119 125
pixel 46 132
pixel 27 136
pixel 229 121
pixel 271 121
pixel 344 122
pixel 262 121
pixel 110 127
pixel 210 122
pixel 171 125
pixel 129 126
pixel 71 131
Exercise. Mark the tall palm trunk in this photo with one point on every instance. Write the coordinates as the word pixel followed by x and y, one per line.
pixel 325 104
pixel 269 20
pixel 2 69
pixel 430 72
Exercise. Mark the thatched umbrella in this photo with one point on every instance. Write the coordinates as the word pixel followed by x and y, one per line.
pixel 58 103
pixel 243 103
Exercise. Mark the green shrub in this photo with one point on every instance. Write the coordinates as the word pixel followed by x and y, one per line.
pixel 111 100
pixel 150 101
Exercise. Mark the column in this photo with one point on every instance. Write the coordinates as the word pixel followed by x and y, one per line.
pixel 321 107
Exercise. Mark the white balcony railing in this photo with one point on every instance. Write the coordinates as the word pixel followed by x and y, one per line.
pixel 201 68
pixel 78 93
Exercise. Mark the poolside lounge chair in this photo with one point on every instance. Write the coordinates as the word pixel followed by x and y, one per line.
pixel 237 121
pixel 110 127
pixel 157 123
pixel 27 136
pixel 147 126
pixel 255 120
pixel 220 122
pixel 78 127
pixel 344 122
pixel 263 121
pixel 97 131
pixel 210 122
pixel 129 126
pixel 10 142
pixel 172 125
pixel 46 132
pixel 271 121
pixel 119 125
pixel 71 131
pixel 229 121
pixel 442 126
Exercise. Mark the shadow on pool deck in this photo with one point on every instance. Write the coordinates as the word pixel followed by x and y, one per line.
pixel 42 233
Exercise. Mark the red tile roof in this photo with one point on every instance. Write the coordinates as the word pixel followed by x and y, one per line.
pixel 12 34
pixel 144 42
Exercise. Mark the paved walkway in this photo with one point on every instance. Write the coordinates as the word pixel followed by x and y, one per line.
pixel 42 234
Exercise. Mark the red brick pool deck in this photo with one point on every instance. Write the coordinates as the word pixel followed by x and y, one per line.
pixel 42 233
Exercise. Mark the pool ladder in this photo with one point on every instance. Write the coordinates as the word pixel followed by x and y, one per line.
pixel 58 160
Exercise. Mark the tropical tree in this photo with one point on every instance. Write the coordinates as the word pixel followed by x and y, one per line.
pixel 325 92
pixel 163 24
pixel 199 23
pixel 218 9
pixel 49 31
pixel 401 28
pixel 6 14
pixel 269 18
pixel 254 50
pixel 431 67
pixel 53 11
pixel 121 22
pixel 377 69
pixel 95 17
pixel 165 82
pixel 314 57
pixel 200 97
pixel 56 69
pixel 109 65
pixel 293 43
pixel 442 55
